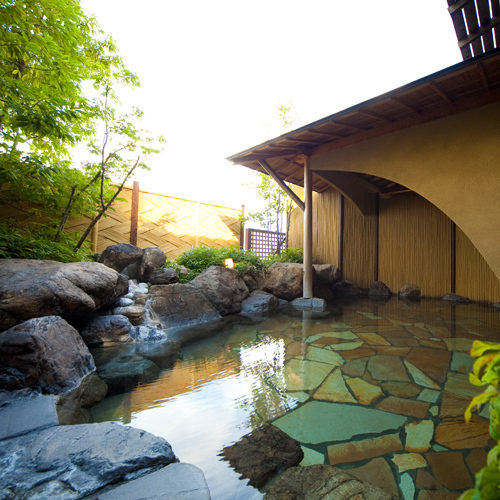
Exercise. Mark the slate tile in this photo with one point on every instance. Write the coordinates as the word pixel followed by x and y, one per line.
pixel 409 461
pixel 379 473
pixel 358 353
pixel 401 406
pixel 419 435
pixel 427 481
pixel 387 368
pixel 354 367
pixel 455 434
pixel 355 451
pixel 392 351
pixel 365 392
pixel 476 460
pixel 334 389
pixel 401 389
pixel 449 468
pixel 432 362
pixel 457 394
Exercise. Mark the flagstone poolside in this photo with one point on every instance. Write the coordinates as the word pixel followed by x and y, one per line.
pixel 378 389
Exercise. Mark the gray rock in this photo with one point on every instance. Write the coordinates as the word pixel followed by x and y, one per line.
pixel 179 481
pixel 103 331
pixel 119 256
pixel 319 482
pixel 72 462
pixel 148 334
pixel 181 305
pixel 345 288
pixel 379 291
pixel 262 454
pixel 223 287
pixel 125 301
pixel 165 276
pixel 314 304
pixel 163 354
pixel 45 353
pixel 27 415
pixel 73 407
pixel 326 274
pixel 127 371
pixel 135 313
pixel 36 288
pixel 409 292
pixel 453 297
pixel 283 280
pixel 152 258
pixel 259 304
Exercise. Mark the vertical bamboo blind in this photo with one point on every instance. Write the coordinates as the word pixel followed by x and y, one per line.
pixel 414 246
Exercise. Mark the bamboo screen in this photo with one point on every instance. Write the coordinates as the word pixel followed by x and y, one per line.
pixel 325 226
pixel 359 246
pixel 475 279
pixel 415 245
pixel 173 224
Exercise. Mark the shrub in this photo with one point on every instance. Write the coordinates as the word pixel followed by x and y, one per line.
pixel 288 255
pixel 35 242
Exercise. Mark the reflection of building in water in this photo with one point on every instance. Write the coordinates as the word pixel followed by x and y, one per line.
pixel 262 369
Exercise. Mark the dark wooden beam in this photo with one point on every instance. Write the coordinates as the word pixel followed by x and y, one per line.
pixel 453 257
pixel 435 87
pixel 341 236
pixel 269 170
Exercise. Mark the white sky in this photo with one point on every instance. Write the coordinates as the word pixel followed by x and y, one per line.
pixel 213 72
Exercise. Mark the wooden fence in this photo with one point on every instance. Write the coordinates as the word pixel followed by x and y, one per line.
pixel 264 243
pixel 151 219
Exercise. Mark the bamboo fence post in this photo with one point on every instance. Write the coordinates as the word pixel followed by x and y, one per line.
pixel 94 236
pixel 308 269
pixel 134 216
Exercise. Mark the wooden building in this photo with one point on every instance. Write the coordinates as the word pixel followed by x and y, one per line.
pixel 405 187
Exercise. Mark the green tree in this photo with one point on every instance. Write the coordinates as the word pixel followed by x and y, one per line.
pixel 49 51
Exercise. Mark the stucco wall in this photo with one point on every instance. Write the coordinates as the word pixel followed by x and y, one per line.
pixel 453 162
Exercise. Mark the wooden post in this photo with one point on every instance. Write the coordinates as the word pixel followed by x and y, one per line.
pixel 453 257
pixel 94 236
pixel 341 236
pixel 134 216
pixel 377 232
pixel 308 269
pixel 247 239
pixel 197 237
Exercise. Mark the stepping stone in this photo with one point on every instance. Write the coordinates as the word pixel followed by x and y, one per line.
pixel 421 378
pixel 428 481
pixel 387 368
pixel 373 339
pixel 401 389
pixel 357 353
pixel 407 487
pixel 355 451
pixel 476 460
pixel 354 367
pixel 324 356
pixel 318 421
pixel 181 481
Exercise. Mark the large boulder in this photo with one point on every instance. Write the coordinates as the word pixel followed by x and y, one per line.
pixel 263 453
pixel 45 353
pixel 119 256
pixel 223 287
pixel 152 258
pixel 379 291
pixel 36 288
pixel 409 291
pixel 164 276
pixel 127 371
pixel 326 274
pixel 180 305
pixel 48 355
pixel 259 304
pixel 104 331
pixel 284 280
pixel 76 461
pixel 317 482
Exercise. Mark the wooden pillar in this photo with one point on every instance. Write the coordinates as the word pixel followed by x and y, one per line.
pixel 377 231
pixel 453 257
pixel 94 236
pixel 341 236
pixel 308 269
pixel 197 236
pixel 134 216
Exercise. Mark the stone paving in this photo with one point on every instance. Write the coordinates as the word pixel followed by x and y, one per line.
pixel 382 393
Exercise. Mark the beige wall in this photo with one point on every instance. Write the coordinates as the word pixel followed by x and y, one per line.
pixel 453 162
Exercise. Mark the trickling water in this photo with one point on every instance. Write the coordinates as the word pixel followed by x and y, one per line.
pixel 351 376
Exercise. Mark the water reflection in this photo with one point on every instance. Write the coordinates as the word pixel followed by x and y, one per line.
pixel 291 370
